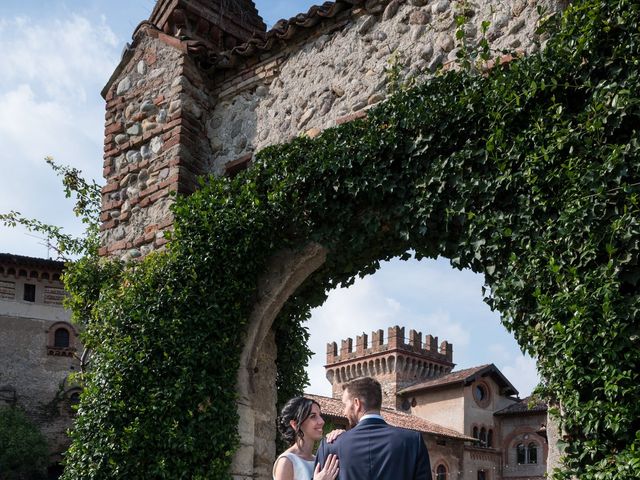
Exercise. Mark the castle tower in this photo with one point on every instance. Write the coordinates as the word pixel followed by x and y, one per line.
pixel 396 364
pixel 219 24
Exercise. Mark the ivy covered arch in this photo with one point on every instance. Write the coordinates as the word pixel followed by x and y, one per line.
pixel 528 175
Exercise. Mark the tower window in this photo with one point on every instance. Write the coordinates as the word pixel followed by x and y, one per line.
pixel 441 472
pixel 29 292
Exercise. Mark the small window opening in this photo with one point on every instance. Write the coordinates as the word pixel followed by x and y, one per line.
pixel 483 437
pixel 61 338
pixel 532 453
pixel 29 292
pixel 521 454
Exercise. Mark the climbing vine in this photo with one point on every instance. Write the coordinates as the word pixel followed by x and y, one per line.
pixel 528 175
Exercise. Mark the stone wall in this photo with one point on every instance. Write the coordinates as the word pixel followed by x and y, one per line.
pixel 177 109
pixel 340 69
pixel 154 142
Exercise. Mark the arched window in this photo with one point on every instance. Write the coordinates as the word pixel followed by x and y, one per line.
pixel 490 438
pixel 475 432
pixel 441 472
pixel 532 453
pixel 483 437
pixel 521 454
pixel 482 475
pixel 527 454
pixel 61 339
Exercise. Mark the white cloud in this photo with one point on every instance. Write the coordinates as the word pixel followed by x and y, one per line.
pixel 63 59
pixel 53 71
pixel 31 130
pixel 522 373
pixel 499 352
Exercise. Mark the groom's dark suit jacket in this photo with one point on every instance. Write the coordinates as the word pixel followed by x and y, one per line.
pixel 374 450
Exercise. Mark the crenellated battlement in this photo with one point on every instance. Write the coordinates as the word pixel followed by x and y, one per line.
pixel 396 364
pixel 396 341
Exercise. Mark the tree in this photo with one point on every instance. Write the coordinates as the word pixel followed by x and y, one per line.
pixel 23 449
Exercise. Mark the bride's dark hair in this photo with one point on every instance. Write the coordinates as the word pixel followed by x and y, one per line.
pixel 298 409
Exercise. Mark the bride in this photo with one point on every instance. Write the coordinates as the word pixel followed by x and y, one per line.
pixel 301 425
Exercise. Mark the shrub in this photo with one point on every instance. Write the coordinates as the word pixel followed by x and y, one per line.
pixel 23 449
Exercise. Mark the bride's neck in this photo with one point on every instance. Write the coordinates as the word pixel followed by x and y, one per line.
pixel 305 448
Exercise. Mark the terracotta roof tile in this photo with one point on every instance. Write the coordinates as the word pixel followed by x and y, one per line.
pixel 11 259
pixel 523 408
pixel 333 408
pixel 464 376
pixel 282 32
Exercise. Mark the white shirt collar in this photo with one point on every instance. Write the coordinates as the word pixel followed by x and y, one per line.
pixel 370 415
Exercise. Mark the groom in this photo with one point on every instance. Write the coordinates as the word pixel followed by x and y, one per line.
pixel 372 449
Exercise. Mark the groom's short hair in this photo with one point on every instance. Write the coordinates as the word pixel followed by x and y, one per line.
pixel 368 390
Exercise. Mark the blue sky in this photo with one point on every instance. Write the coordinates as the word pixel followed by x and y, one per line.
pixel 56 57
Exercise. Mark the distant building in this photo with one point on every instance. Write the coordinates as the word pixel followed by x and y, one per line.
pixel 474 425
pixel 38 348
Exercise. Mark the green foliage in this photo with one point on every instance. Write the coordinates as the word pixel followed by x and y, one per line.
pixel 23 449
pixel 471 56
pixel 528 175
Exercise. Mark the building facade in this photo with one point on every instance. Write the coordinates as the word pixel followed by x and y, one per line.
pixel 38 348
pixel 474 424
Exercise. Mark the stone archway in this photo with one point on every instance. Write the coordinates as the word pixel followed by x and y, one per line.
pixel 510 198
pixel 285 273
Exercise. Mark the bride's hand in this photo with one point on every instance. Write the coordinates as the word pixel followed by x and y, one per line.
pixel 330 470
pixel 333 434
